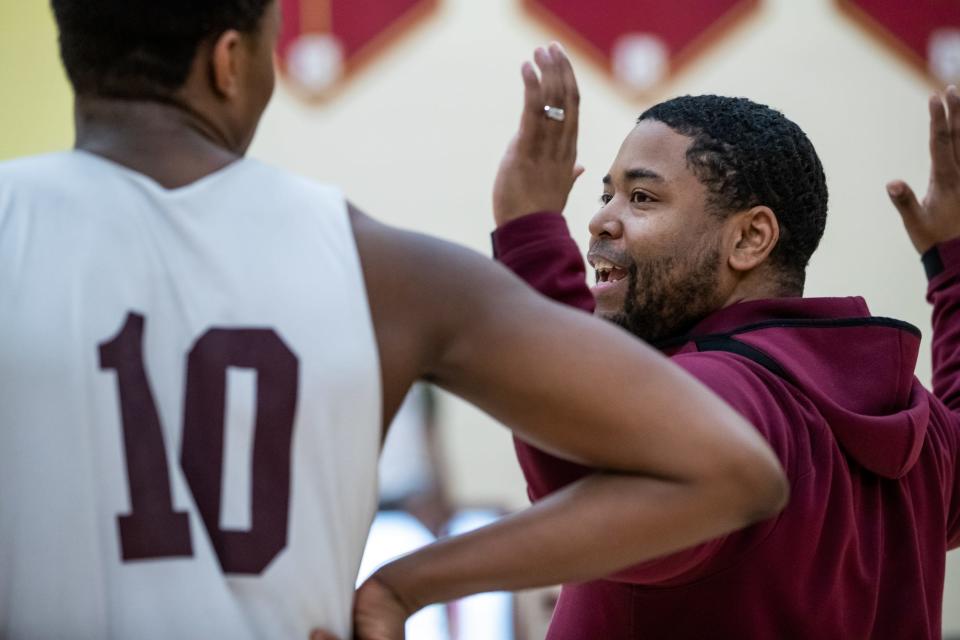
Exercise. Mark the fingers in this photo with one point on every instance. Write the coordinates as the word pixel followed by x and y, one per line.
pixel 321 635
pixel 531 120
pixel 952 100
pixel 550 77
pixel 912 214
pixel 531 90
pixel 556 86
pixel 578 171
pixel 944 164
pixel 571 98
pixel 552 94
pixel 905 201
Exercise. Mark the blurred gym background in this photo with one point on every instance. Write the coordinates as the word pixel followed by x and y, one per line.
pixel 409 104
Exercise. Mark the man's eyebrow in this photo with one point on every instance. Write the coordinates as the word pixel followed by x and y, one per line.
pixel 638 173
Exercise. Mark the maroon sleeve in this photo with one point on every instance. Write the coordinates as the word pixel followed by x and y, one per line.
pixel 942 264
pixel 539 249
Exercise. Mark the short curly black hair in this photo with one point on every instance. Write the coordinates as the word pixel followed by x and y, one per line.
pixel 142 48
pixel 748 154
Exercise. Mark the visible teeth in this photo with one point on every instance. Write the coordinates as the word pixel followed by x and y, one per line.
pixel 601 264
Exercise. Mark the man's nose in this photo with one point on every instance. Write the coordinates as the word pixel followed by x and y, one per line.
pixel 606 224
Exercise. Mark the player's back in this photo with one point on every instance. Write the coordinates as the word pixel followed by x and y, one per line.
pixel 189 403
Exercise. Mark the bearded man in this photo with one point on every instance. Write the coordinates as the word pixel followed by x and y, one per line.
pixel 708 218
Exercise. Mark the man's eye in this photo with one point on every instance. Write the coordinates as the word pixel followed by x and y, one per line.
pixel 605 198
pixel 639 196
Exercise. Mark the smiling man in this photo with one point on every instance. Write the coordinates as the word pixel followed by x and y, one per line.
pixel 709 215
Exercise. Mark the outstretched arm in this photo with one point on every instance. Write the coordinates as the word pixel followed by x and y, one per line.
pixel 934 228
pixel 592 528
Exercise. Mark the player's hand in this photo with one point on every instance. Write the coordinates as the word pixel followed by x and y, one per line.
pixel 937 218
pixel 538 170
pixel 378 614
pixel 317 634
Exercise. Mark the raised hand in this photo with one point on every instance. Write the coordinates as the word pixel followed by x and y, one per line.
pixel 937 218
pixel 538 169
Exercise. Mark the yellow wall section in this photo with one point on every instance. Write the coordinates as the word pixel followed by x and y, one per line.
pixel 35 99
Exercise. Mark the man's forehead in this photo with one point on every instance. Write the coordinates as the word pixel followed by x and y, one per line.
pixel 651 150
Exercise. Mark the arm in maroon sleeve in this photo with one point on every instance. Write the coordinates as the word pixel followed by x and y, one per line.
pixel 942 264
pixel 539 249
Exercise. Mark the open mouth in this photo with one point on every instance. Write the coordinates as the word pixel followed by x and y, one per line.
pixel 608 273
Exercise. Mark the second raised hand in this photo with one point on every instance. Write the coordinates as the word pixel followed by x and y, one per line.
pixel 937 218
pixel 539 167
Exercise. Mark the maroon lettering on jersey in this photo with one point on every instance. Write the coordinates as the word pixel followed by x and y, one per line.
pixel 323 41
pixel 153 529
pixel 262 350
pixel 925 32
pixel 641 42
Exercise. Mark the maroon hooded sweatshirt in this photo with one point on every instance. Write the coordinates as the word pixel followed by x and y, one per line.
pixel 860 550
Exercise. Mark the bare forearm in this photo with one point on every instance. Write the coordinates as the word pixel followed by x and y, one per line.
pixel 600 525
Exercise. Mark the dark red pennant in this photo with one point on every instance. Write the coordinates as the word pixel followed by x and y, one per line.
pixel 641 42
pixel 926 32
pixel 324 41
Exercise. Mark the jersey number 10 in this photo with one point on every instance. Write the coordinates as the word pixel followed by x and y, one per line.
pixel 153 529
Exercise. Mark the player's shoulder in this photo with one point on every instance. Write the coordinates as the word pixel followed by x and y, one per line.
pixel 37 168
pixel 53 179
pixel 285 184
pixel 290 196
pixel 36 163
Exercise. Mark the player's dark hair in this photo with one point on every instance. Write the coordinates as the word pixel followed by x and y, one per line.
pixel 747 155
pixel 142 48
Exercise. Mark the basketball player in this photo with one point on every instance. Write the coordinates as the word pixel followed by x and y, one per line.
pixel 198 353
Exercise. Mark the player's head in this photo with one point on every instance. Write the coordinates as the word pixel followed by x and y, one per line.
pixel 214 57
pixel 710 200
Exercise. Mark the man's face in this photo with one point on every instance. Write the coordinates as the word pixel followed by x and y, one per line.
pixel 654 244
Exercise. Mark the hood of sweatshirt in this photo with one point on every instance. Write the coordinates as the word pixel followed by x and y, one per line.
pixel 857 369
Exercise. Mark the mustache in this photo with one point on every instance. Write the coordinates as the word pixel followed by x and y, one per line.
pixel 606 251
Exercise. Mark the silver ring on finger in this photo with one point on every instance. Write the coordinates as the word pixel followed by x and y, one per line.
pixel 554 113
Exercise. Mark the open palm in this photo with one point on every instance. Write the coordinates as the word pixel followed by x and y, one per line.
pixel 937 218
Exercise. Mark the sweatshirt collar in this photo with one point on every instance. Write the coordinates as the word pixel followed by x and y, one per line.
pixel 743 314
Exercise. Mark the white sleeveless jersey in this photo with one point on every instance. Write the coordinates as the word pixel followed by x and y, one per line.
pixel 189 404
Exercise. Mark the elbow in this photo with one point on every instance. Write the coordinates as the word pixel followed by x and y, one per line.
pixel 769 498
pixel 759 488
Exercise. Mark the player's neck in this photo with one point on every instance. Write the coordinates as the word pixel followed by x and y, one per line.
pixel 167 142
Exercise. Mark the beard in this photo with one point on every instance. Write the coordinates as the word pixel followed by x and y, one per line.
pixel 667 296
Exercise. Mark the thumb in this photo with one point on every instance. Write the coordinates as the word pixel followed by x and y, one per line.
pixel 578 170
pixel 321 635
pixel 905 201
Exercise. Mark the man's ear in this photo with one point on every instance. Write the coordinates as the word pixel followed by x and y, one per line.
pixel 225 62
pixel 753 234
